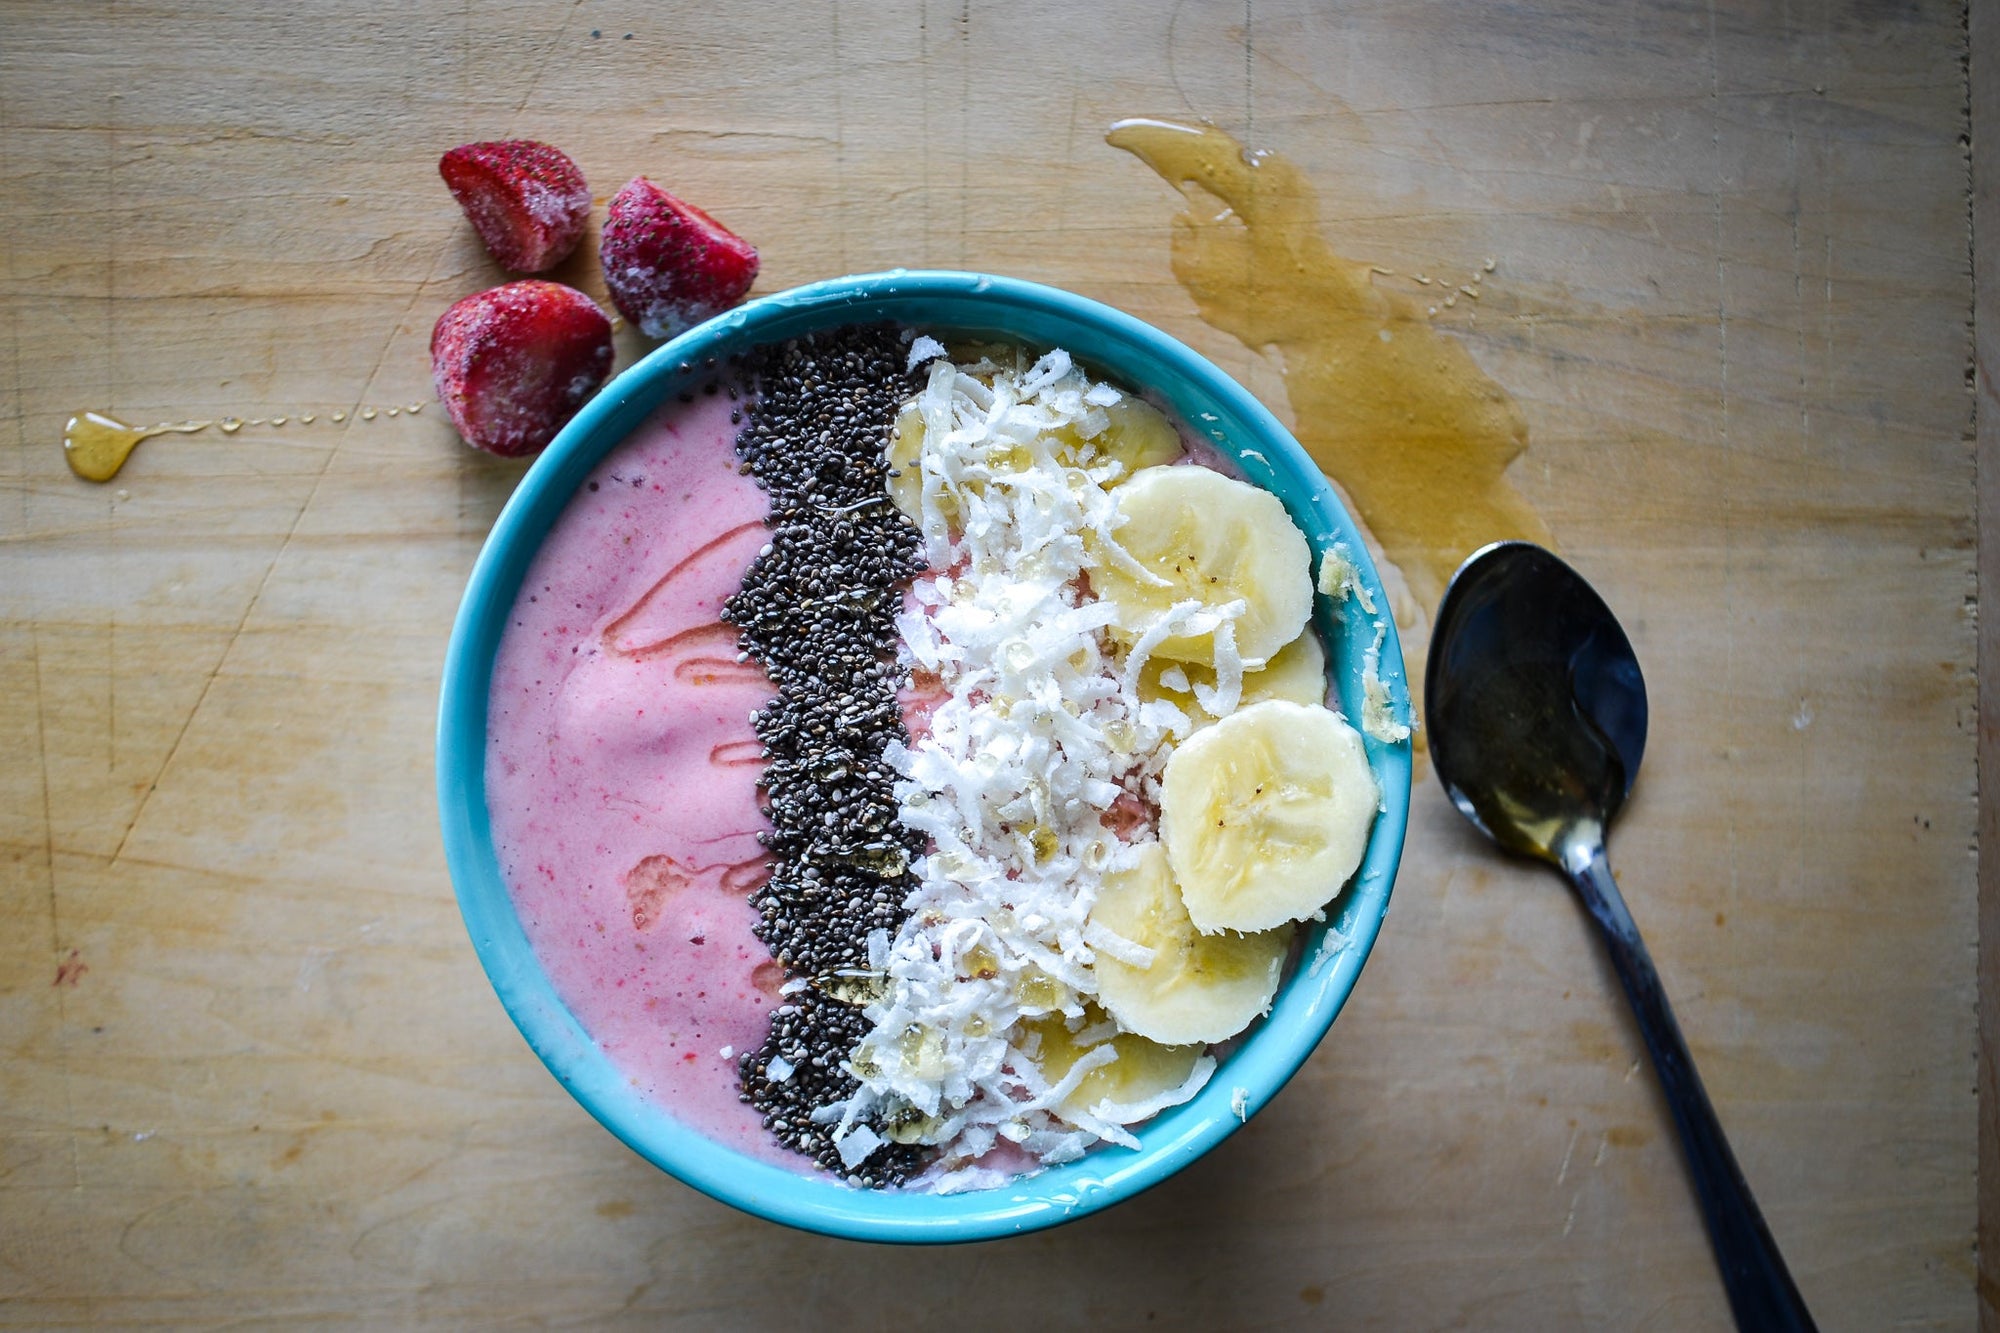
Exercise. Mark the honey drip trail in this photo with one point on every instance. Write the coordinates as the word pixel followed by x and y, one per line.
pixel 1399 413
pixel 96 445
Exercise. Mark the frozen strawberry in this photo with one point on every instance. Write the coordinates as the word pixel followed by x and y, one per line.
pixel 513 364
pixel 668 264
pixel 526 200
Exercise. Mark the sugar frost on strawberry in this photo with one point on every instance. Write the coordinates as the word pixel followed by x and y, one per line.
pixel 527 200
pixel 513 364
pixel 668 264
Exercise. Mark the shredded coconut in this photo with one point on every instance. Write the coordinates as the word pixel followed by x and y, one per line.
pixel 1041 733
pixel 1042 730
pixel 858 1143
pixel 1330 946
pixel 1341 580
pixel 1378 713
pixel 924 348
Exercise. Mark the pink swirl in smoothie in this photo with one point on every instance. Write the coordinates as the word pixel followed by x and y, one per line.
pixel 622 770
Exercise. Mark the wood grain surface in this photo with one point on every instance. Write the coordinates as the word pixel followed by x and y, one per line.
pixel 252 1072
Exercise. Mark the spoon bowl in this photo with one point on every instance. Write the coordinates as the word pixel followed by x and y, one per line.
pixel 1537 715
pixel 1536 704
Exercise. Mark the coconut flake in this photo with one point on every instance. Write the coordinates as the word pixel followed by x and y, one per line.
pixel 1227 693
pixel 1339 578
pixel 1330 945
pixel 855 1147
pixel 1052 367
pixel 1105 941
pixel 1378 713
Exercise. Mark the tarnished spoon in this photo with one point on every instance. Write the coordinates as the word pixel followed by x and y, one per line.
pixel 1537 717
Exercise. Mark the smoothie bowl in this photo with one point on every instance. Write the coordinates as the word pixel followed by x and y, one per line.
pixel 922 757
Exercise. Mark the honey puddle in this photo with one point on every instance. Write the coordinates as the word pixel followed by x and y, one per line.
pixel 96 445
pixel 1397 412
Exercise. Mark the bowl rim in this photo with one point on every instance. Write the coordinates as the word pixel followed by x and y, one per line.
pixel 1250 1075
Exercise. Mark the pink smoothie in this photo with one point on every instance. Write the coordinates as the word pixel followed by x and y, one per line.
pixel 621 769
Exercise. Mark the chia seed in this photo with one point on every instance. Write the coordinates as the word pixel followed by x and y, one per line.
pixel 817 609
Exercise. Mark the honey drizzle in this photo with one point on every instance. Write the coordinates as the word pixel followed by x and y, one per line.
pixel 1396 411
pixel 96 445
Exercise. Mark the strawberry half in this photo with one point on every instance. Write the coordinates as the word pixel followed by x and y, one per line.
pixel 668 264
pixel 513 364
pixel 527 201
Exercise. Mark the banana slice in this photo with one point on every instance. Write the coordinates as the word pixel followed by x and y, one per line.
pixel 1130 1087
pixel 1297 673
pixel 1197 988
pixel 1213 539
pixel 1138 435
pixel 1265 815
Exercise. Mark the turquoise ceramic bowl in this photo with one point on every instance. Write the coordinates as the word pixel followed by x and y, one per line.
pixel 1114 345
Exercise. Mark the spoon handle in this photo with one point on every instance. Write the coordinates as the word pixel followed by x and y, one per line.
pixel 1761 1292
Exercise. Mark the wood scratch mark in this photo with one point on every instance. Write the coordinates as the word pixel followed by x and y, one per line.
pixel 111 661
pixel 637 1294
pixel 1173 66
pixel 55 920
pixel 127 1248
pixel 1562 1172
pixel 48 811
pixel 208 871
pixel 1249 88
pixel 18 414
pixel 924 62
pixel 1570 1221
pixel 722 133
pixel 839 143
pixel 1802 762
pixel 1069 166
pixel 964 128
pixel 534 81
pixel 111 249
pixel 208 682
pixel 1730 617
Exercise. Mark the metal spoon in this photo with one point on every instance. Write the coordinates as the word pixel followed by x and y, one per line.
pixel 1537 717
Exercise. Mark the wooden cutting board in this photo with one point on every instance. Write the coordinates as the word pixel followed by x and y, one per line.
pixel 251 1065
